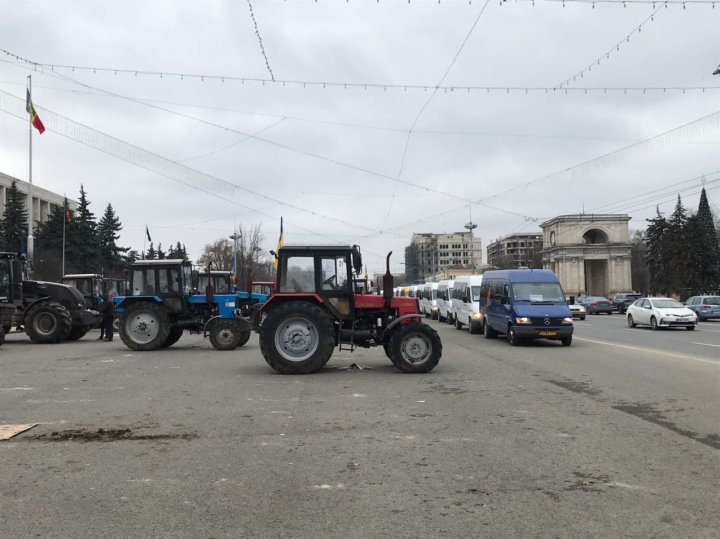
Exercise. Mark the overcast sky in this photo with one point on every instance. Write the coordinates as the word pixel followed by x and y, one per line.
pixel 328 159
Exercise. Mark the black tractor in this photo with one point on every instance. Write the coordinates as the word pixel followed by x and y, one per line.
pixel 317 307
pixel 49 312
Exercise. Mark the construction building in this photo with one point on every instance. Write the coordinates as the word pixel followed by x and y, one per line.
pixel 430 256
pixel 516 251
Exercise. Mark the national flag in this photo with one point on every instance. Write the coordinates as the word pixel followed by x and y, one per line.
pixel 147 233
pixel 34 118
pixel 281 242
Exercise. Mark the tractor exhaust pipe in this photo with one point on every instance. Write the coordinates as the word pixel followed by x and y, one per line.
pixel 388 282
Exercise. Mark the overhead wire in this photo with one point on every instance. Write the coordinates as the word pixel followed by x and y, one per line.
pixel 262 47
pixel 427 102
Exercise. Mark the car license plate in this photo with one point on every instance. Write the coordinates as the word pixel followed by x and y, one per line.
pixel 548 333
pixel 683 320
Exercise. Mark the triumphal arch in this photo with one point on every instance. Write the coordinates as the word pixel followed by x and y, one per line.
pixel 589 253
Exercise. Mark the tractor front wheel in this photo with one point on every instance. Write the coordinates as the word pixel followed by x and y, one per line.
pixel 297 337
pixel 48 322
pixel 77 332
pixel 2 335
pixel 145 326
pixel 224 334
pixel 173 337
pixel 415 348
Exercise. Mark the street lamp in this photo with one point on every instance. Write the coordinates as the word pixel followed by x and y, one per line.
pixel 471 226
pixel 235 237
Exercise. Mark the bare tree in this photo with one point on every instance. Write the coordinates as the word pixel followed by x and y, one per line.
pixel 218 255
pixel 250 264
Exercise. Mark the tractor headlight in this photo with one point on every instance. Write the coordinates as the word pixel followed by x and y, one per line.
pixel 522 320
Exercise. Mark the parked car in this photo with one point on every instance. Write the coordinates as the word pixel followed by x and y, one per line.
pixel 597 304
pixel 660 312
pixel 577 310
pixel 622 300
pixel 705 307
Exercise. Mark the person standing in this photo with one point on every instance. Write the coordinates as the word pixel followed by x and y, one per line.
pixel 106 309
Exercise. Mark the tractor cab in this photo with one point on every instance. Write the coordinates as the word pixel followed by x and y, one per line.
pixel 221 281
pixel 90 285
pixel 13 271
pixel 168 280
pixel 264 288
pixel 325 272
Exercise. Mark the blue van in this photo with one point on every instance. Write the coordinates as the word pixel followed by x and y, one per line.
pixel 525 304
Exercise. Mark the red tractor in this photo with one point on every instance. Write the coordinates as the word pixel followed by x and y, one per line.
pixel 315 308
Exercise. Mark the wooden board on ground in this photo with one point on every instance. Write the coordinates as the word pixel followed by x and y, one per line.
pixel 8 431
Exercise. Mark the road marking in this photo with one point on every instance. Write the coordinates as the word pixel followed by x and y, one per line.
pixel 706 344
pixel 649 350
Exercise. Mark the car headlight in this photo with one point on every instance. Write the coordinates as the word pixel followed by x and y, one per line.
pixel 567 320
pixel 522 320
pixel 476 315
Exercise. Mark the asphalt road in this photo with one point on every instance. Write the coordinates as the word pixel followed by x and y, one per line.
pixel 616 435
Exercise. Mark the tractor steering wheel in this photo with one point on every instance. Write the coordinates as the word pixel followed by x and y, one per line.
pixel 328 282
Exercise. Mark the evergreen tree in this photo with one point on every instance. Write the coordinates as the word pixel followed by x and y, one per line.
pixel 131 256
pixel 655 256
pixel 677 245
pixel 108 232
pixel 708 248
pixel 151 254
pixel 82 251
pixel 14 222
pixel 160 253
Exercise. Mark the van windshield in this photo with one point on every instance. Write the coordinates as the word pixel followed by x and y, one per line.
pixel 538 293
pixel 475 293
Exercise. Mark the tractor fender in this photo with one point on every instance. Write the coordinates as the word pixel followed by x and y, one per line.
pixel 32 304
pixel 211 321
pixel 400 319
pixel 279 299
pixel 122 302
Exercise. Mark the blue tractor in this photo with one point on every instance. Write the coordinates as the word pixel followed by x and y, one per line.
pixel 163 301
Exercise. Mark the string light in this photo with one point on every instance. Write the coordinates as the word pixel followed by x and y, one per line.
pixel 378 86
pixel 607 53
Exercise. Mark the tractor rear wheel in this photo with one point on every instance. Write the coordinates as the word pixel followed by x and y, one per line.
pixel 48 322
pixel 173 337
pixel 225 334
pixel 77 332
pixel 415 348
pixel 2 335
pixel 245 329
pixel 297 337
pixel 144 326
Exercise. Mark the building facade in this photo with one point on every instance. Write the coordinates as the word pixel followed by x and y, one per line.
pixel 43 200
pixel 516 251
pixel 429 255
pixel 589 253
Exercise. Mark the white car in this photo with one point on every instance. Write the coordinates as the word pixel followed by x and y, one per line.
pixel 660 313
pixel 578 311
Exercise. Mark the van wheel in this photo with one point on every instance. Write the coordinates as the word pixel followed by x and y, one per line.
pixel 489 332
pixel 566 341
pixel 458 324
pixel 473 327
pixel 512 336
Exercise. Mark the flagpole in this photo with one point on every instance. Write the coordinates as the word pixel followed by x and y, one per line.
pixel 64 218
pixel 30 184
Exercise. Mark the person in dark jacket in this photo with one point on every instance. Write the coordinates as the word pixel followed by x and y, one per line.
pixel 106 328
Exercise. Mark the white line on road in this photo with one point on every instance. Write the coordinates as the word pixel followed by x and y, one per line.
pixel 649 350
pixel 706 344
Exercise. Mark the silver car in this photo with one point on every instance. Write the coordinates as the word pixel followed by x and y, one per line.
pixel 705 307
